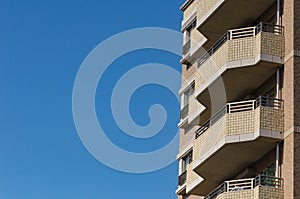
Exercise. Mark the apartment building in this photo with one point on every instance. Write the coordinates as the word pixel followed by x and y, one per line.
pixel 240 100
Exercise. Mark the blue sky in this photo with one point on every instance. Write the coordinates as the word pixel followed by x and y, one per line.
pixel 42 45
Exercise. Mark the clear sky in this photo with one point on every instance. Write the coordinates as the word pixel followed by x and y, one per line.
pixel 42 45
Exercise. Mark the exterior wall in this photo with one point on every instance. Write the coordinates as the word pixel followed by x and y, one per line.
pixel 297 99
pixel 288 172
pixel 190 9
pixel 187 73
pixel 296 175
pixel 287 167
pixel 187 136
pixel 204 6
pixel 191 175
pixel 196 37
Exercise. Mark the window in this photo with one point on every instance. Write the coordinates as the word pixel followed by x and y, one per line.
pixel 187 160
pixel 190 28
pixel 188 94
pixel 188 65
pixel 187 38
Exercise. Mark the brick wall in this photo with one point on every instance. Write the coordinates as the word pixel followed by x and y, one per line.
pixel 290 21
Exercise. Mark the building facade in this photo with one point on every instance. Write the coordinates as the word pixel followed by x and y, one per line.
pixel 240 100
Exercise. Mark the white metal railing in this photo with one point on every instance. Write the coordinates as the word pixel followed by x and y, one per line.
pixel 246 184
pixel 238 185
pixel 242 32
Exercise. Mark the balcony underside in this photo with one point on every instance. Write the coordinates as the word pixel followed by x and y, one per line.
pixel 231 14
pixel 229 161
pixel 238 82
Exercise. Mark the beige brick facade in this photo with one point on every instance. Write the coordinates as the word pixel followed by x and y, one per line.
pixel 260 192
pixel 285 50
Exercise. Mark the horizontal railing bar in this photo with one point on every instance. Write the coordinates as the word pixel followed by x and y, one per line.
pixel 243 33
pixel 248 101
pixel 238 29
pixel 242 109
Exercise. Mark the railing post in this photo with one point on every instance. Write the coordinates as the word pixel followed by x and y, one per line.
pixel 261 26
pixel 226 187
pixel 260 100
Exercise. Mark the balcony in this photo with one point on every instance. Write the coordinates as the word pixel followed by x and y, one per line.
pixel 237 136
pixel 242 60
pixel 187 181
pixel 217 16
pixel 182 179
pixel 253 188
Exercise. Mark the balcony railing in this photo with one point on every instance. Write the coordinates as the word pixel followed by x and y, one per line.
pixel 240 107
pixel 241 33
pixel 246 184
pixel 184 112
pixel 182 178
pixel 186 47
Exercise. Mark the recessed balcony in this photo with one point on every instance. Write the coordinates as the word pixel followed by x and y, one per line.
pixel 259 187
pixel 187 181
pixel 182 183
pixel 217 16
pixel 237 136
pixel 242 60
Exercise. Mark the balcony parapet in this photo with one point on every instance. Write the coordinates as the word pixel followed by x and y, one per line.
pixel 243 106
pixel 246 187
pixel 242 33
